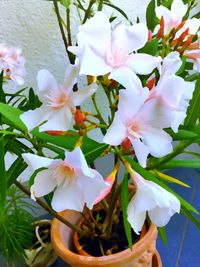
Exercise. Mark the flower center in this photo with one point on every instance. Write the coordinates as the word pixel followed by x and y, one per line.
pixel 63 172
pixel 58 99
pixel 115 58
pixel 133 130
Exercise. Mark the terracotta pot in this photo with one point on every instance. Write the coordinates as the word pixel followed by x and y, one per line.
pixel 143 254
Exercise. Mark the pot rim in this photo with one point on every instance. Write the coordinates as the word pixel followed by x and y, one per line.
pixel 137 249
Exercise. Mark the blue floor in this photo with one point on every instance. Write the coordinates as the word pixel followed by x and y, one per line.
pixel 183 245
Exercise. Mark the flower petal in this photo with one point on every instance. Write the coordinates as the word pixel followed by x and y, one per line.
pixel 178 10
pixel 116 132
pixel 143 63
pixel 36 162
pixel 130 102
pixel 155 114
pixel 171 64
pixel 58 121
pixel 71 76
pixel 96 33
pixel 92 63
pixel 134 37
pixel 79 96
pixel 157 141
pixel 68 196
pixel 33 118
pixel 43 184
pixel 77 160
pixel 141 151
pixel 46 81
pixel 126 77
pixel 92 188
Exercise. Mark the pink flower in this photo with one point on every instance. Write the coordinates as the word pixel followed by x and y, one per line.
pixel 73 182
pixel 58 101
pixel 102 50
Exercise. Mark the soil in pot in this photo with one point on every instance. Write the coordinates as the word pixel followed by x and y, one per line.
pixel 100 246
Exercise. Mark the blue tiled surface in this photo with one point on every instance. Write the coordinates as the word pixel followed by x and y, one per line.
pixel 183 246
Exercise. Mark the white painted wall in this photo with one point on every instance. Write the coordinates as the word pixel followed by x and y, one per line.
pixel 32 25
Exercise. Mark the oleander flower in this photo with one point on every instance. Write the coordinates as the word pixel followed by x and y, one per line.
pixel 101 51
pixel 142 122
pixel 73 182
pixel 12 63
pixel 151 198
pixel 58 101
pixel 172 91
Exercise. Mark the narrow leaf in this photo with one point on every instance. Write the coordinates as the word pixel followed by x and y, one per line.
pixel 15 170
pixel 169 178
pixel 193 112
pixel 177 163
pixel 3 178
pixel 125 200
pixel 163 235
pixel 188 214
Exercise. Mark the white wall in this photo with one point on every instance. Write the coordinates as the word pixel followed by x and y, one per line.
pixel 32 25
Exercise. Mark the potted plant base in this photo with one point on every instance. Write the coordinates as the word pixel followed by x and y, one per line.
pixel 143 254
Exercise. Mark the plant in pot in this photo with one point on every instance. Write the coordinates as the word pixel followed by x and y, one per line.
pixel 143 84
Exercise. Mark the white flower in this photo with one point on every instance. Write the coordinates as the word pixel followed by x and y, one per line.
pixel 102 50
pixel 58 101
pixel 173 18
pixel 160 204
pixel 73 181
pixel 142 123
pixel 172 91
pixel 12 63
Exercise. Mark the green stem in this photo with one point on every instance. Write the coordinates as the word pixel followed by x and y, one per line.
pixel 87 12
pixel 71 57
pixel 101 119
pixel 50 210
pixel 178 150
pixel 69 27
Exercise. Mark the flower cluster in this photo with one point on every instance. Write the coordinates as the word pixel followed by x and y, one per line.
pixel 12 63
pixel 148 96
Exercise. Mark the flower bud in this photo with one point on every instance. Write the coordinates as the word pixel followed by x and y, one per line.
pixel 79 117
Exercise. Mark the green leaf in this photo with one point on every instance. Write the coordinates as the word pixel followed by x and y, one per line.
pixel 182 67
pixel 178 163
pixel 193 112
pixel 188 214
pixel 15 170
pixel 67 142
pixel 125 201
pixel 163 235
pixel 3 177
pixel 183 135
pixel 65 3
pixel 150 48
pixel 197 15
pixel 151 18
pixel 13 115
pixel 149 176
pixel 91 149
